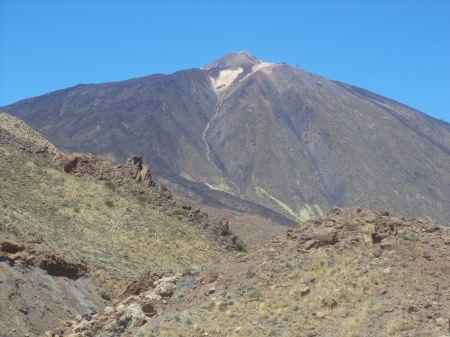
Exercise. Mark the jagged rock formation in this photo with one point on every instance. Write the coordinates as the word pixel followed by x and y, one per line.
pixel 135 177
pixel 242 132
pixel 142 171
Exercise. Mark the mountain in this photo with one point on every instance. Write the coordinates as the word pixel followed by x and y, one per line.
pixel 75 229
pixel 277 139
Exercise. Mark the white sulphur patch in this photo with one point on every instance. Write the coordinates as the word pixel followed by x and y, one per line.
pixel 264 193
pixel 220 187
pixel 262 65
pixel 226 78
pixel 306 213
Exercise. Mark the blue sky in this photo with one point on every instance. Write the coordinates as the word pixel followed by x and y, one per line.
pixel 398 48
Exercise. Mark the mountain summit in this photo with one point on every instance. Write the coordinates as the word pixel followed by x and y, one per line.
pixel 232 68
pixel 234 60
pixel 244 134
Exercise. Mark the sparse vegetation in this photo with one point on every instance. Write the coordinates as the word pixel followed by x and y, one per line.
pixel 410 236
pixel 109 203
pixel 91 220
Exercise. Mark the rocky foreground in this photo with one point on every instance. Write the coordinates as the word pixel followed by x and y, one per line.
pixel 351 273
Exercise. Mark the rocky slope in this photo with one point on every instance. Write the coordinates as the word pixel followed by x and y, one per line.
pixel 75 228
pixel 269 134
pixel 89 248
pixel 351 273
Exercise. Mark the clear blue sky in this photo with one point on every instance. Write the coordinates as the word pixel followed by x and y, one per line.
pixel 397 48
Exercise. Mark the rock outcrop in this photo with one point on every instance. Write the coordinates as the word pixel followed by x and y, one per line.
pixel 134 315
pixel 135 176
pixel 54 264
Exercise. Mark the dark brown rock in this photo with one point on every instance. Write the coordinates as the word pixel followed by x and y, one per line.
pixel 11 247
pixel 55 265
pixel 149 309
